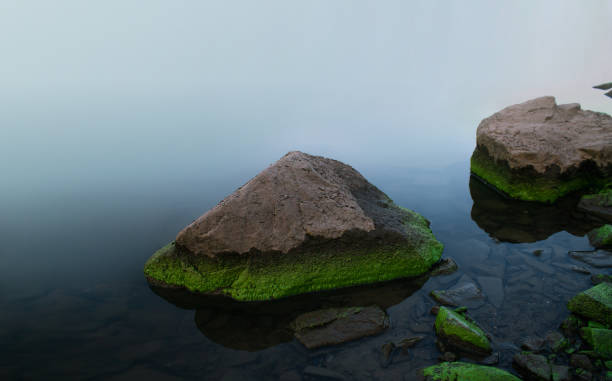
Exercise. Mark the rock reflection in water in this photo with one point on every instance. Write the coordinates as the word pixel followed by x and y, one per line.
pixel 253 326
pixel 509 220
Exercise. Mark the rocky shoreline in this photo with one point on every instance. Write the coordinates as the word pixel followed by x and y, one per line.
pixel 309 225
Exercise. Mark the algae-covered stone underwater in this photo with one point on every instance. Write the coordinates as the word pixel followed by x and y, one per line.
pixel 466 245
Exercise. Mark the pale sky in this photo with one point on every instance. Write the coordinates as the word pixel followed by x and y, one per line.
pixel 94 89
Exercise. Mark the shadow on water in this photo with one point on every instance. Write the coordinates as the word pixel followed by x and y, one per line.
pixel 509 220
pixel 253 326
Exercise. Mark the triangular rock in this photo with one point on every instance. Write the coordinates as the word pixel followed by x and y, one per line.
pixel 306 223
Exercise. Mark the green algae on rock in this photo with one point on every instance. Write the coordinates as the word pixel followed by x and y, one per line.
pixel 541 151
pixel 600 339
pixel 525 184
pixel 594 303
pixel 462 371
pixel 601 237
pixel 304 224
pixel 460 332
pixel 598 204
pixel 598 278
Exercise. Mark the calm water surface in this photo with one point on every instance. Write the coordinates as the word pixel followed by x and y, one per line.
pixel 121 122
pixel 89 313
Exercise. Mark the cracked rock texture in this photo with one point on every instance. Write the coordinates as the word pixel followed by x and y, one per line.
pixel 298 196
pixel 541 134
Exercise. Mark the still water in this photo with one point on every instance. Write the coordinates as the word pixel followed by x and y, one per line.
pixel 121 122
pixel 75 317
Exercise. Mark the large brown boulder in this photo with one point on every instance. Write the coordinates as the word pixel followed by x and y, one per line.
pixel 306 223
pixel 540 151
pixel 299 196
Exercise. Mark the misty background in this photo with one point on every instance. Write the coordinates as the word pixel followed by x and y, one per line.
pixel 120 121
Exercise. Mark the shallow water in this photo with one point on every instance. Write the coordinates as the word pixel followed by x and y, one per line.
pixel 102 321
pixel 121 123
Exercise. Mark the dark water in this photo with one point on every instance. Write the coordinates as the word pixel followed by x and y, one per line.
pixel 89 314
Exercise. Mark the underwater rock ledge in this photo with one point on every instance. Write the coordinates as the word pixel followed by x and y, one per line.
pixel 540 151
pixel 304 224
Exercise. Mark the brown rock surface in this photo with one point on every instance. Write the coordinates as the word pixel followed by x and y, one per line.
pixel 541 134
pixel 298 196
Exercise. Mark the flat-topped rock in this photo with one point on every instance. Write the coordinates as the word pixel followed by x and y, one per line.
pixel 539 151
pixel 338 325
pixel 541 134
pixel 306 223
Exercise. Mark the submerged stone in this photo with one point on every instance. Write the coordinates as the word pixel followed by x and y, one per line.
pixel 571 325
pixel 601 237
pixel 304 224
pixel 532 343
pixel 338 325
pixel 461 333
pixel 594 303
pixel 540 151
pixel 532 366
pixel 409 342
pixel 254 326
pixel 322 373
pixel 461 371
pixel 597 258
pixel 556 341
pixel 463 294
pixel 490 360
pixel 494 289
pixel 446 266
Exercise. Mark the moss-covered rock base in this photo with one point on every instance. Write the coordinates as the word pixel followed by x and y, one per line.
pixel 461 371
pixel 600 339
pixel 264 276
pixel 594 303
pixel 528 185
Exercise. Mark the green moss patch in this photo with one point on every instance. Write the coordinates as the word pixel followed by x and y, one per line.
pixel 601 237
pixel 461 371
pixel 603 198
pixel 265 276
pixel 527 185
pixel 600 339
pixel 594 303
pixel 460 332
